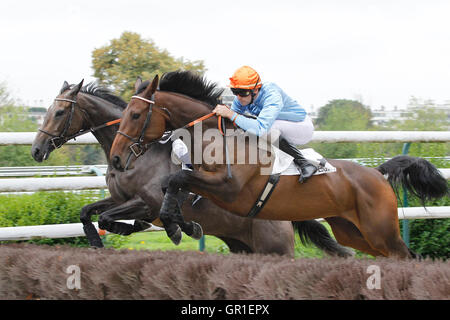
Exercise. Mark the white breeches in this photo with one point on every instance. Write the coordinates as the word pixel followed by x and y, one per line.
pixel 297 133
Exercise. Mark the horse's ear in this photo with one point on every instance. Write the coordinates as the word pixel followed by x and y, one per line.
pixel 152 87
pixel 74 91
pixel 64 87
pixel 137 84
pixel 155 83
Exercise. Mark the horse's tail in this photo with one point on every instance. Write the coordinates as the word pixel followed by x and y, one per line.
pixel 312 231
pixel 417 175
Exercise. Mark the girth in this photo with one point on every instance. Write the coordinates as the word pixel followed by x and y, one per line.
pixel 265 195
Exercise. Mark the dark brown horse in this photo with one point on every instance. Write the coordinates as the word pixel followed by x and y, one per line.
pixel 137 194
pixel 358 202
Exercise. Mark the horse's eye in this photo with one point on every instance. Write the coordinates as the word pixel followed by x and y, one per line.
pixel 59 113
pixel 135 116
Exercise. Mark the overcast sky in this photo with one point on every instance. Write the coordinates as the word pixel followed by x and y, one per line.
pixel 380 52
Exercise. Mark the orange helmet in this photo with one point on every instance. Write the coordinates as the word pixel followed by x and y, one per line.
pixel 245 78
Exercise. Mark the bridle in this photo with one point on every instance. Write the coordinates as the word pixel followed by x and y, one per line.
pixel 139 147
pixel 59 140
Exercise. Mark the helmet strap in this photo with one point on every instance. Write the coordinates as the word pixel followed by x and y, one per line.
pixel 252 92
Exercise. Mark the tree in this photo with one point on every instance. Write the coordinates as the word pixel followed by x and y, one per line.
pixel 5 99
pixel 118 64
pixel 425 116
pixel 342 115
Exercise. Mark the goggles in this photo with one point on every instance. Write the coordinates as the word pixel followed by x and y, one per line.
pixel 241 92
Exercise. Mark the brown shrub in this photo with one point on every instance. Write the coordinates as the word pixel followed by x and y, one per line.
pixel 39 272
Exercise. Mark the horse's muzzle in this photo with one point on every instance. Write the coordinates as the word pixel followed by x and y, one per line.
pixel 117 164
pixel 40 154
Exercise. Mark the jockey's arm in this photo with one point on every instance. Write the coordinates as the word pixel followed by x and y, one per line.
pixel 266 117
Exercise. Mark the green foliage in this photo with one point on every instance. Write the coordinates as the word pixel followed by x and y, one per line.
pixel 423 116
pixel 341 115
pixel 5 98
pixel 344 115
pixel 118 64
pixel 429 237
pixel 15 119
pixel 45 208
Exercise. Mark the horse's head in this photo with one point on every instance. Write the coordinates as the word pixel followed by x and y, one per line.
pixel 142 123
pixel 61 121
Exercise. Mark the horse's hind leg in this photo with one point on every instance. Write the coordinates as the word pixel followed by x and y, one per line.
pixel 347 234
pixel 378 223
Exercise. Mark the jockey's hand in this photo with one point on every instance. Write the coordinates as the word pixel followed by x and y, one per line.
pixel 224 111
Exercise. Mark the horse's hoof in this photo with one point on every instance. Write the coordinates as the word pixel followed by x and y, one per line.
pixel 140 225
pixel 197 233
pixel 176 236
pixel 123 229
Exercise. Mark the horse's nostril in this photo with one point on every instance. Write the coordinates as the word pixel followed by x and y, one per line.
pixel 35 153
pixel 116 163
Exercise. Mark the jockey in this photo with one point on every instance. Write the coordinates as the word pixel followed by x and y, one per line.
pixel 275 112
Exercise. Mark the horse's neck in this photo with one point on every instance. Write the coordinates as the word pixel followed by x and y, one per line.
pixel 184 109
pixel 100 111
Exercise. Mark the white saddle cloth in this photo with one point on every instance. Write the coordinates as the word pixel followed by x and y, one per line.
pixel 285 165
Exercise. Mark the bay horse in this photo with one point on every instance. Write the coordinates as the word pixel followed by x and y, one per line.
pixel 357 201
pixel 137 194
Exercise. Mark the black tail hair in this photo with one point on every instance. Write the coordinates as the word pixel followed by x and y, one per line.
pixel 312 231
pixel 420 177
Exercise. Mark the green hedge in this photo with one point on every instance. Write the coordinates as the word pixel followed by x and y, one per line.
pixel 46 208
pixel 427 237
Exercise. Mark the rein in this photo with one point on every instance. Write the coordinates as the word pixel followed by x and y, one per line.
pixel 58 140
pixel 222 129
pixel 209 115
pixel 138 147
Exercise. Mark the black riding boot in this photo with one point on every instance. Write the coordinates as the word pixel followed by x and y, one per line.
pixel 307 168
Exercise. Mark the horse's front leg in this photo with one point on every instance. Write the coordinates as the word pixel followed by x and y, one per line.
pixel 85 217
pixel 178 187
pixel 132 209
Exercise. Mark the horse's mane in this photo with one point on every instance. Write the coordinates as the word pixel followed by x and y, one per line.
pixel 96 90
pixel 190 84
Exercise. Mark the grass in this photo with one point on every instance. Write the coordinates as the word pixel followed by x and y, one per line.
pixel 159 241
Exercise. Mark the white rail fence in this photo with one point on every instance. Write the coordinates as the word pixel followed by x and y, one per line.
pixel 98 182
pixel 26 138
